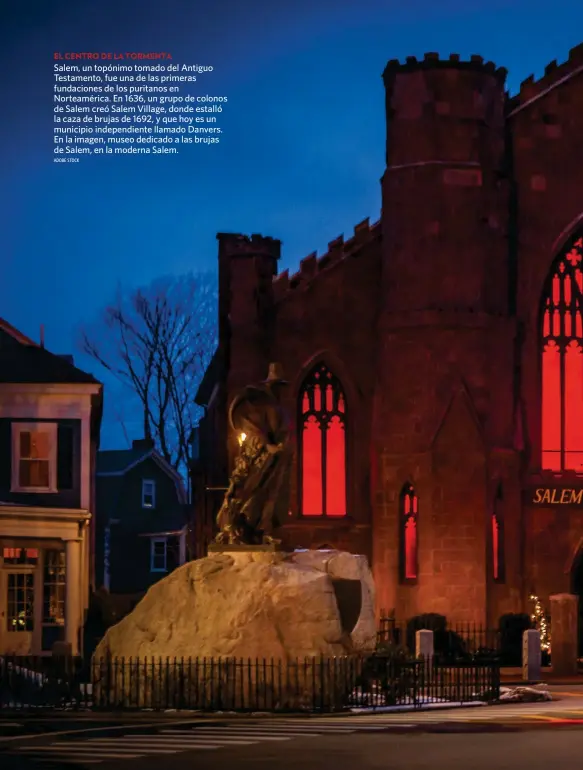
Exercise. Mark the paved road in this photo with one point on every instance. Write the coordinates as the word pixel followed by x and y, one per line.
pixel 366 743
pixel 78 740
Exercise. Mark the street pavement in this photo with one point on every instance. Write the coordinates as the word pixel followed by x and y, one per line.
pixel 363 742
pixel 179 739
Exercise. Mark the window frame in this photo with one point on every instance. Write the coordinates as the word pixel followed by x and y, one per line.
pixel 54 585
pixel 308 383
pixel 408 491
pixel 568 261
pixel 153 542
pixel 497 555
pixel 153 493
pixel 18 428
pixel 28 576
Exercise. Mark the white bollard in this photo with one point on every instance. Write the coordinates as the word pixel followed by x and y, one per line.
pixel 531 656
pixel 424 644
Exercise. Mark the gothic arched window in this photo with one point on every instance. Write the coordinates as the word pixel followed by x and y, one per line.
pixel 322 444
pixel 562 362
pixel 408 515
pixel 498 537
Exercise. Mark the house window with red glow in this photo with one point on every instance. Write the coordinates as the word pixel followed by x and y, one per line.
pixel 409 512
pixel 498 537
pixel 322 445
pixel 562 362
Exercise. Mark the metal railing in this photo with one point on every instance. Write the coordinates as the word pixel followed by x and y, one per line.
pixel 234 684
pixel 454 642
pixel 457 642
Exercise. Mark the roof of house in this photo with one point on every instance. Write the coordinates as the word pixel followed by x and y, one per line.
pixel 115 463
pixel 119 461
pixel 23 361
pixel 13 332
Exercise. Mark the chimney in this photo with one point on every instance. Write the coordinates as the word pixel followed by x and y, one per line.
pixel 42 335
pixel 143 443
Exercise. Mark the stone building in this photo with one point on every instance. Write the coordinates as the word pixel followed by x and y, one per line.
pixel 435 357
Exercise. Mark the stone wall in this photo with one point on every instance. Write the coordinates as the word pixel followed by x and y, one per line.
pixel 430 320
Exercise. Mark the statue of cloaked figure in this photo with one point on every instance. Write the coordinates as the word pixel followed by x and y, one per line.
pixel 257 499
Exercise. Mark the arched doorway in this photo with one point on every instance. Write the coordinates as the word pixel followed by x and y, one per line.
pixel 577 589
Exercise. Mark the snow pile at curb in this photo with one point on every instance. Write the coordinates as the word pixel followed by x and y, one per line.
pixel 534 694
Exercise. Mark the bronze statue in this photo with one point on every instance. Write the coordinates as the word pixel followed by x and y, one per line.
pixel 258 495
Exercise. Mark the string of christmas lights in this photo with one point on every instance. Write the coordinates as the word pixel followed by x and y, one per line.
pixel 542 624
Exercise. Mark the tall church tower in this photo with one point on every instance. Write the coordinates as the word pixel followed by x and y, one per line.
pixel 247 266
pixel 443 405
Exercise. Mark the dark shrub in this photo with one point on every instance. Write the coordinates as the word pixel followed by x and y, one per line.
pixel 431 621
pixel 396 652
pixel 388 677
pixel 447 645
pixel 485 655
pixel 512 626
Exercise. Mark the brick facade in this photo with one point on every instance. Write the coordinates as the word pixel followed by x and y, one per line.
pixel 430 318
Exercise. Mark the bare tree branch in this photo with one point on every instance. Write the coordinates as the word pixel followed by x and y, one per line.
pixel 158 341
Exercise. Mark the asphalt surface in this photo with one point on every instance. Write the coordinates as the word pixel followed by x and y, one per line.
pixel 512 735
pixel 319 744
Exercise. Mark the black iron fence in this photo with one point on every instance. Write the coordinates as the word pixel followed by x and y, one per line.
pixel 35 682
pixel 460 642
pixel 228 684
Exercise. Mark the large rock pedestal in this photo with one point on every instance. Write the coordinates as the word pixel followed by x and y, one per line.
pixel 240 608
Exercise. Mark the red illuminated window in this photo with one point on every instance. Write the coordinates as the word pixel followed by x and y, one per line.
pixel 562 363
pixel 322 445
pixel 409 512
pixel 498 537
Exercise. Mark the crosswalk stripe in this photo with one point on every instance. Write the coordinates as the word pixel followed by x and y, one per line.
pixel 259 731
pixel 153 743
pixel 263 728
pixel 260 735
pixel 102 754
pixel 74 748
pixel 174 734
pixel 254 729
pixel 194 741
pixel 213 734
pixel 110 744
pixel 69 760
pixel 304 728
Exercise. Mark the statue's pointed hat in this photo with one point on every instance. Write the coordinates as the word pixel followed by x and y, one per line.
pixel 275 374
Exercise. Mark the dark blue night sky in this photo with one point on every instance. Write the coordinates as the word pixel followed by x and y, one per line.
pixel 301 154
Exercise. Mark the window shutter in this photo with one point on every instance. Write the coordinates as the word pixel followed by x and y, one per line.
pixel 65 457
pixel 5 454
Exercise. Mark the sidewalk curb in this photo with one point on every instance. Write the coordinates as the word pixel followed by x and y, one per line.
pixel 223 715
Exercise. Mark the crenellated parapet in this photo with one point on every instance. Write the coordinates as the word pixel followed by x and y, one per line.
pixel 235 244
pixel 312 266
pixel 444 110
pixel 432 61
pixel 554 75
